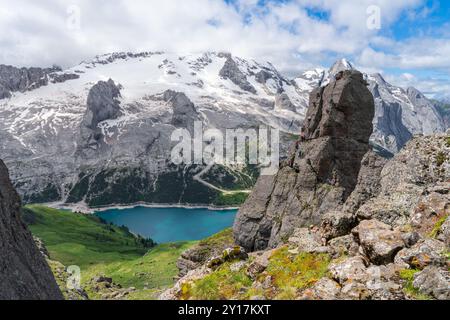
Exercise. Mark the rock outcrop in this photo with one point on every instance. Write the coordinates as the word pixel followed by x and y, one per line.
pixel 24 274
pixel 13 79
pixel 231 71
pixel 321 172
pixel 184 112
pixel 102 104
pixel 362 227
pixel 399 253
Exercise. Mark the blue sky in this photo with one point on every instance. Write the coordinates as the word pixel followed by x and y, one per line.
pixel 411 47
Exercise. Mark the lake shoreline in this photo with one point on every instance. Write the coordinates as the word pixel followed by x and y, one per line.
pixel 84 208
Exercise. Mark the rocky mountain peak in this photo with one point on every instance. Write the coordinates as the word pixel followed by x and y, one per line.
pixel 321 171
pixel 231 71
pixel 24 274
pixel 184 112
pixel 102 103
pixel 341 65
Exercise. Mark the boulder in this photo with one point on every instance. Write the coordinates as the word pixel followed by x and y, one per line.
pixel 351 269
pixel 433 281
pixel 354 290
pixel 229 254
pixel 444 232
pixel 411 238
pixel 305 240
pixel 336 223
pixel 345 245
pixel 324 289
pixel 259 263
pixel 426 252
pixel 378 241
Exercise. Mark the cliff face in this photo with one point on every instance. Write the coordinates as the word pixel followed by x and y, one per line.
pixel 339 221
pixel 322 170
pixel 24 274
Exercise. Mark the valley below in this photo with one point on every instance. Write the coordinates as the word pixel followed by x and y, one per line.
pixel 113 262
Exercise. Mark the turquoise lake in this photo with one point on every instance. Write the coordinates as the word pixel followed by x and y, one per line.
pixel 171 224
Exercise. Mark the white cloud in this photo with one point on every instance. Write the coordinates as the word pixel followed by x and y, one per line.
pixel 37 32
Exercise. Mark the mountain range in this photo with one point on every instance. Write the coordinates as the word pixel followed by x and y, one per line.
pixel 99 133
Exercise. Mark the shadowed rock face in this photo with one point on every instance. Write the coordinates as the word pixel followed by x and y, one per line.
pixel 13 79
pixel 322 170
pixel 184 112
pixel 24 274
pixel 231 71
pixel 21 79
pixel 102 104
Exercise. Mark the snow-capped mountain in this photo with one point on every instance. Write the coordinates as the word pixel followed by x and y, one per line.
pixel 399 113
pixel 99 133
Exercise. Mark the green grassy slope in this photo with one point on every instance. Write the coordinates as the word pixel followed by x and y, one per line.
pixel 76 239
pixel 102 249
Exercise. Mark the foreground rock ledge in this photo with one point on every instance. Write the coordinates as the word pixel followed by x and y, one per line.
pixel 24 274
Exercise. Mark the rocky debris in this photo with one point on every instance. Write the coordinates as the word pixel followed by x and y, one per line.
pixel 176 292
pixel 199 254
pixel 41 247
pixel 324 289
pixel 410 238
pixel 321 172
pixel 343 246
pixel 384 282
pixel 433 281
pixel 306 240
pixel 62 278
pixel 259 263
pixel 237 266
pixel 336 223
pixel 229 254
pixel 351 269
pixel 379 242
pixel 231 71
pixel 186 264
pixel 24 273
pixel 108 290
pixel 426 252
pixel 359 281
pixel 413 185
pixel 444 232
pixel 184 112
